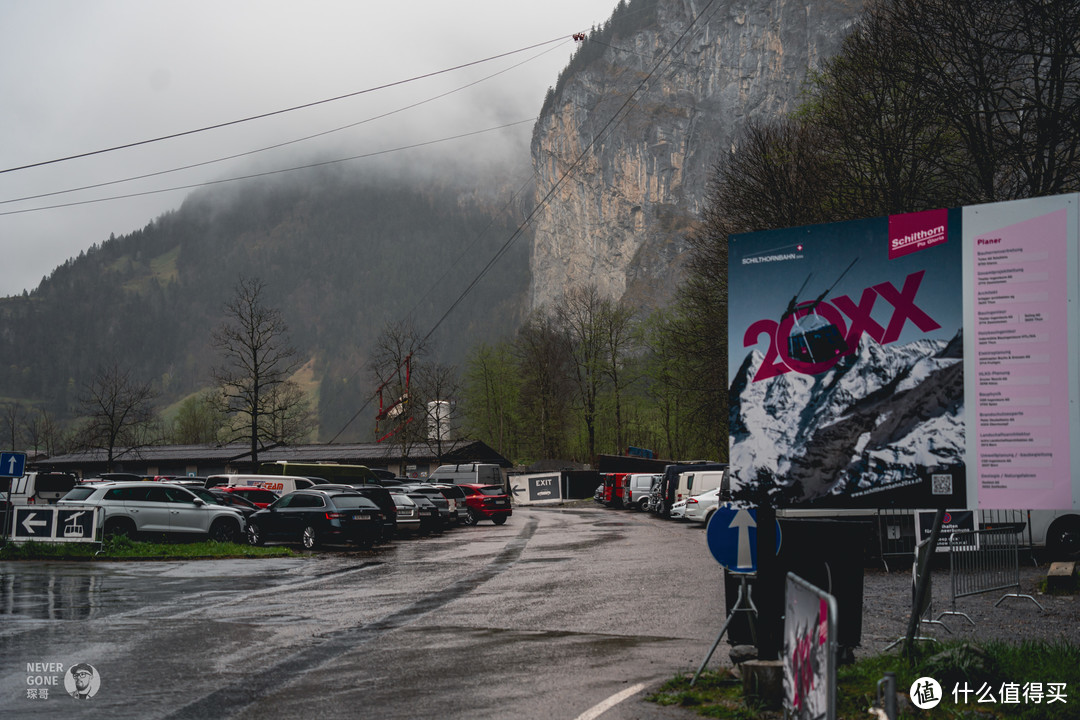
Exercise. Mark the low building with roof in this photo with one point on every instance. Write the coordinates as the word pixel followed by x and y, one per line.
pixel 202 460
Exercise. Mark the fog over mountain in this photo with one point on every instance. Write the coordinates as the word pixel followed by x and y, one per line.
pixel 394 226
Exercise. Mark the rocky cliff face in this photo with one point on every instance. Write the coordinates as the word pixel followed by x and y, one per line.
pixel 648 140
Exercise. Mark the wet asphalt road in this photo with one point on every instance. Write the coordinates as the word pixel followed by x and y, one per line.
pixel 548 616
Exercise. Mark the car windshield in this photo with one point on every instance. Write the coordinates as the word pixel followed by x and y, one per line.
pixel 492 490
pixel 79 493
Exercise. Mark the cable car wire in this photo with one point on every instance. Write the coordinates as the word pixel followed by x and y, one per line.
pixel 278 112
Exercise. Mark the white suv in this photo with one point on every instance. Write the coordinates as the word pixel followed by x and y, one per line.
pixel 158 508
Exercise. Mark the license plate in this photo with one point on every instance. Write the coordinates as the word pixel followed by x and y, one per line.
pixel 360 517
pixel 427 512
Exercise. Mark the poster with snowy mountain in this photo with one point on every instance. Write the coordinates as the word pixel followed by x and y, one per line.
pixel 845 351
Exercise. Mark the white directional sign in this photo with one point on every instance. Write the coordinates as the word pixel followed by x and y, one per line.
pixel 48 523
pixel 732 537
pixel 34 523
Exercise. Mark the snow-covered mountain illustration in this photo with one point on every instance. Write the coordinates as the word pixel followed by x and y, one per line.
pixel 884 418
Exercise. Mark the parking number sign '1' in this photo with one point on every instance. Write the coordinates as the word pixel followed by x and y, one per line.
pixel 732 538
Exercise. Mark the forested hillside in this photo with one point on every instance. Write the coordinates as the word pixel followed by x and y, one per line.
pixel 341 255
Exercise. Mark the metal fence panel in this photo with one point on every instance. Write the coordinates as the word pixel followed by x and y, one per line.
pixel 982 561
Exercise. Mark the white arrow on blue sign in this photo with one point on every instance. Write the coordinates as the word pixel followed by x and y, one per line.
pixel 12 464
pixel 732 537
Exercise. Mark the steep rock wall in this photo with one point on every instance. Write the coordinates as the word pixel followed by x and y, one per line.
pixel 619 219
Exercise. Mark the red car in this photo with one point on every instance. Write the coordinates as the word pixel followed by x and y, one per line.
pixel 260 496
pixel 486 502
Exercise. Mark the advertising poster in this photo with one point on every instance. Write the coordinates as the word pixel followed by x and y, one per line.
pixel 1020 354
pixel 845 352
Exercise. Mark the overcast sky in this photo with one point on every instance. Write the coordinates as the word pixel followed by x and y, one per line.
pixel 78 77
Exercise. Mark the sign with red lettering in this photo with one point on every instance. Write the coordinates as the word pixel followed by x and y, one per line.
pixel 846 365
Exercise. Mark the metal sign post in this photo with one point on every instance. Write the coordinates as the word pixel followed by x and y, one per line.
pixel 744 594
pixel 732 538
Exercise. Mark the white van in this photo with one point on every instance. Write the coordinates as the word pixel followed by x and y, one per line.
pixel 696 482
pixel 281 484
pixel 479 473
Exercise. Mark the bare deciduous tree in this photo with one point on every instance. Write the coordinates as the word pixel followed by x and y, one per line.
pixel 118 411
pixel 12 416
pixel 253 340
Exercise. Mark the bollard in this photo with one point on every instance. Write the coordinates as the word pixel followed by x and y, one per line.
pixel 886 696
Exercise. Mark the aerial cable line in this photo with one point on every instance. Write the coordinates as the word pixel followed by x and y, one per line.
pixel 278 145
pixel 558 183
pixel 615 117
pixel 279 112
pixel 269 172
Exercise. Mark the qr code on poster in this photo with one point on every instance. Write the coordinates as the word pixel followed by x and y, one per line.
pixel 940 484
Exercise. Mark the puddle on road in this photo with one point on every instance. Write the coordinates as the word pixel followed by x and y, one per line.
pixel 51 597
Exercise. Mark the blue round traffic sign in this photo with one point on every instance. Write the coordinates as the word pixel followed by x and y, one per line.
pixel 732 537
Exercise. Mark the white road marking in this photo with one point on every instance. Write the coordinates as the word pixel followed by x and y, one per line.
pixel 600 708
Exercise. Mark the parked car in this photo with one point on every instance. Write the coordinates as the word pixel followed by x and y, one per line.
pixel 259 496
pixel 699 508
pixel 669 483
pixel 426 509
pixel 678 510
pixel 473 473
pixel 653 504
pixel 486 502
pixel 280 484
pixel 149 508
pixel 245 506
pixel 33 488
pixel 315 517
pixel 459 509
pixel 378 495
pixel 447 506
pixel 407 513
pixel 638 490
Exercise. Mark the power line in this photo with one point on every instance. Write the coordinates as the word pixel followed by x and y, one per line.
pixel 268 147
pixel 615 117
pixel 280 171
pixel 278 112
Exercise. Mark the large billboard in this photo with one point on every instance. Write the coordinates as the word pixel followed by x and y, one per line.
pixel 854 383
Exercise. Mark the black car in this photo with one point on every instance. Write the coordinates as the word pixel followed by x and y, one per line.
pixel 378 495
pixel 314 517
pixel 231 499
